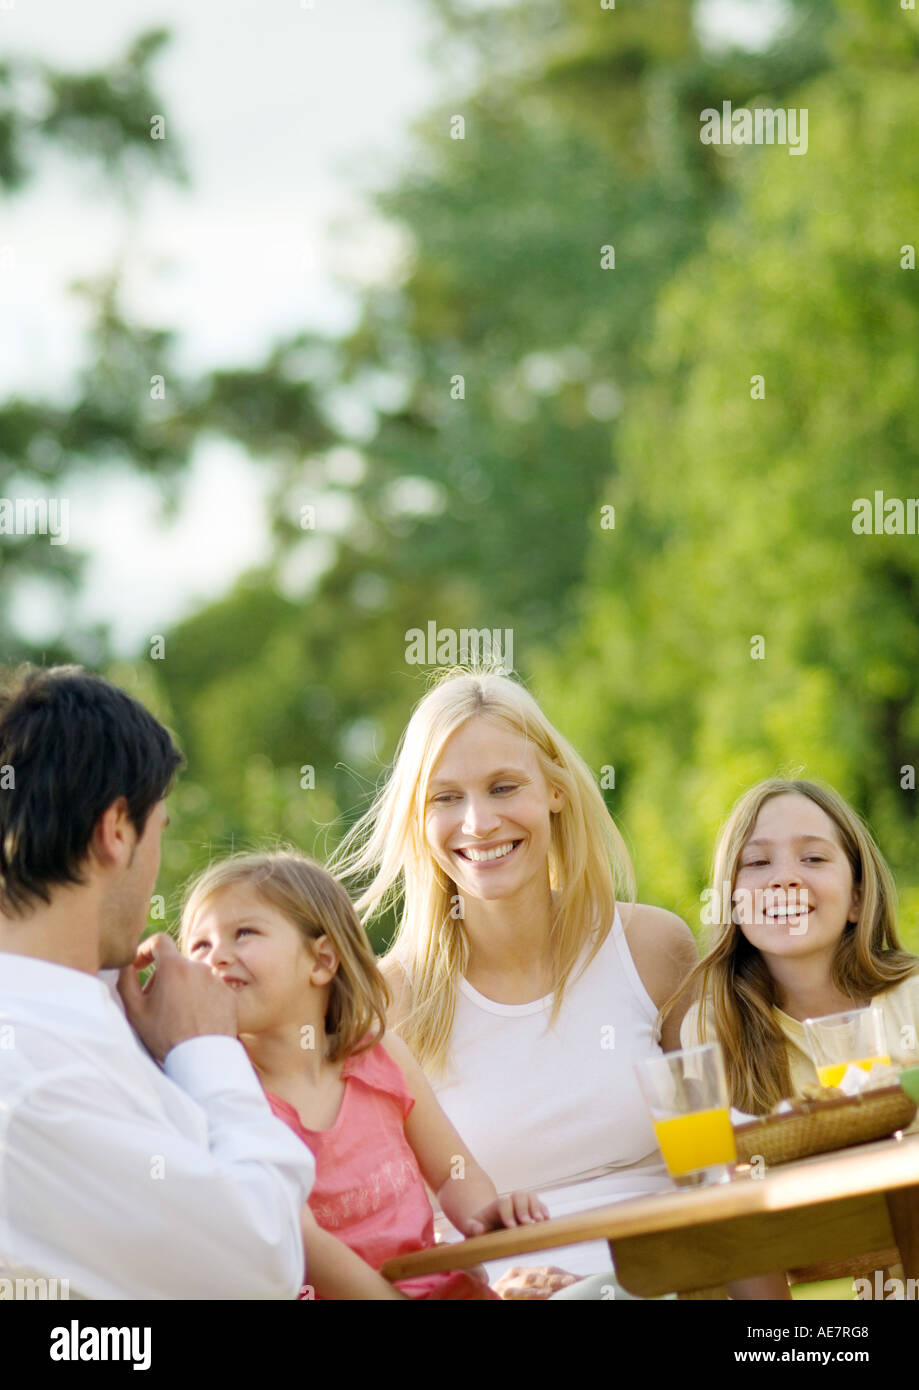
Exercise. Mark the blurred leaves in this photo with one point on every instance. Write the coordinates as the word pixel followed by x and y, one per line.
pixel 500 387
pixel 109 114
pixel 801 283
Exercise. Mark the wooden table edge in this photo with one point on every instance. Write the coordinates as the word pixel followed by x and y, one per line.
pixel 895 1164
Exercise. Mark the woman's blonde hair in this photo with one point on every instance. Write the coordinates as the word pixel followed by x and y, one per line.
pixel 737 990
pixel 588 862
pixel 313 902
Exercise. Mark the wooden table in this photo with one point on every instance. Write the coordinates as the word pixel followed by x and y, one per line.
pixel 693 1240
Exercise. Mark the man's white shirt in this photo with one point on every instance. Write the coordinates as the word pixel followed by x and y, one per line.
pixel 127 1180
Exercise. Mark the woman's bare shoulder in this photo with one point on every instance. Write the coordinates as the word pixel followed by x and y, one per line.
pixel 397 1049
pixel 394 973
pixel 656 924
pixel 662 947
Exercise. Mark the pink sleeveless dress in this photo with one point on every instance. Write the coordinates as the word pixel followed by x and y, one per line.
pixel 369 1190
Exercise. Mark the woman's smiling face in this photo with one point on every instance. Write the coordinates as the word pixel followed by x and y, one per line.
pixel 794 890
pixel 488 812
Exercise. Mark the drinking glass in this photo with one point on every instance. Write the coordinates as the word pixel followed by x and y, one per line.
pixel 687 1095
pixel 856 1038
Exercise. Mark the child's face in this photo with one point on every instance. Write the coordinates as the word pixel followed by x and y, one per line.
pixel 489 810
pixel 796 888
pixel 258 953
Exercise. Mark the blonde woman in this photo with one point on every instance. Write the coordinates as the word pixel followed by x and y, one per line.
pixel 809 929
pixel 523 986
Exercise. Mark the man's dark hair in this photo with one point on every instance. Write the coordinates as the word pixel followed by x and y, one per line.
pixel 70 745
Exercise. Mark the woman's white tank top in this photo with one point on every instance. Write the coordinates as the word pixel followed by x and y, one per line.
pixel 558 1110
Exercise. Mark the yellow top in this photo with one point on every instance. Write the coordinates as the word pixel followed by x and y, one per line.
pixel 900 1006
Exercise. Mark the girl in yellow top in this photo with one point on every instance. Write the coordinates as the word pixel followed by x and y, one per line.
pixel 810 930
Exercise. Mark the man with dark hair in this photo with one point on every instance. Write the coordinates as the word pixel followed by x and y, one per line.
pixel 120 1177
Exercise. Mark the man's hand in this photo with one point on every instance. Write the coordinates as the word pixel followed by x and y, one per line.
pixel 522 1282
pixel 181 1000
pixel 516 1209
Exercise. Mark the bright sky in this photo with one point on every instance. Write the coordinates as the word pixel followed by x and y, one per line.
pixel 286 110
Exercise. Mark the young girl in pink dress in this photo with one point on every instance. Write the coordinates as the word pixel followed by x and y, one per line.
pixel 282 933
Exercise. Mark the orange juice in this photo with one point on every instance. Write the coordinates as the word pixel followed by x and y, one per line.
pixel 699 1140
pixel 832 1074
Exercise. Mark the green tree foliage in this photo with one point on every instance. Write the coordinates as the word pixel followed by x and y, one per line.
pixel 130 404
pixel 458 445
pixel 735 514
pixel 496 369
pixel 102 119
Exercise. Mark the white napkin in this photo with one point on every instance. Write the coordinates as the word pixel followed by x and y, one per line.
pixel 855 1079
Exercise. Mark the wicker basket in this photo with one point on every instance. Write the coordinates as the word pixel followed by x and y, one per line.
pixel 816 1126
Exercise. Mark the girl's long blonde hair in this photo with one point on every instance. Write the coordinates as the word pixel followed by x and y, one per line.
pixel 588 863
pixel 313 902
pixel 737 990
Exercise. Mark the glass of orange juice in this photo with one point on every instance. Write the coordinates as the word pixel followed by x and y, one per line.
pixel 687 1095
pixel 856 1038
